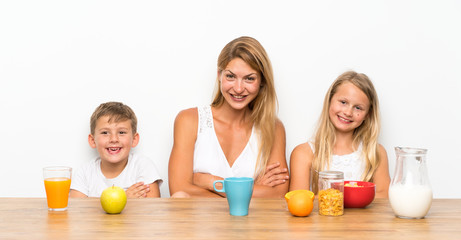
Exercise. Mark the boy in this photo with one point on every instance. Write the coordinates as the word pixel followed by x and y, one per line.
pixel 113 134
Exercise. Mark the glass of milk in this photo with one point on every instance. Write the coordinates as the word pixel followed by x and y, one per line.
pixel 410 193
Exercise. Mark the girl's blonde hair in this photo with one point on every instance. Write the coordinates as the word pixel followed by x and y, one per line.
pixel 263 107
pixel 367 133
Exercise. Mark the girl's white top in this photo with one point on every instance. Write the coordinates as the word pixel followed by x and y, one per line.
pixel 351 164
pixel 209 156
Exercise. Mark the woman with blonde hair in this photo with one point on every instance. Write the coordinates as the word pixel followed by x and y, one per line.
pixel 239 135
pixel 346 139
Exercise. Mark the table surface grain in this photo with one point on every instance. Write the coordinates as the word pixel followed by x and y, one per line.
pixel 200 218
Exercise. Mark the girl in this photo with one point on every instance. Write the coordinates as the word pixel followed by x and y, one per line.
pixel 239 135
pixel 346 138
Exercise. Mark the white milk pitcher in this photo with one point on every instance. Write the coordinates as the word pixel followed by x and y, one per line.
pixel 410 193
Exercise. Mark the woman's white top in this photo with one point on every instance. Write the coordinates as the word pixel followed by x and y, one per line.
pixel 209 156
pixel 351 164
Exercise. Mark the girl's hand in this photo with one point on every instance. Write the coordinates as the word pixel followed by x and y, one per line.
pixel 137 190
pixel 274 176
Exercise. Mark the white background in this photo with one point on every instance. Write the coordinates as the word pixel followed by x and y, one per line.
pixel 59 60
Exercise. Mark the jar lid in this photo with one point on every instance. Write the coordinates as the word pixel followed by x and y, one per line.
pixel 331 174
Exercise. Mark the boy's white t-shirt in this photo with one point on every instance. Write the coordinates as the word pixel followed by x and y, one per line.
pixel 89 180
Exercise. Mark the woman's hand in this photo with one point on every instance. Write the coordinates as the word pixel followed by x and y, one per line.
pixel 205 181
pixel 274 175
pixel 274 182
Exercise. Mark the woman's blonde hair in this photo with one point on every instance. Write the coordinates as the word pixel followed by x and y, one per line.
pixel 367 133
pixel 263 107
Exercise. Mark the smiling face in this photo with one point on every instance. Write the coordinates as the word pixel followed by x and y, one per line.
pixel 240 83
pixel 113 140
pixel 349 107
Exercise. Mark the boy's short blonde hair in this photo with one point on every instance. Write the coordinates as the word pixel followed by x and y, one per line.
pixel 116 111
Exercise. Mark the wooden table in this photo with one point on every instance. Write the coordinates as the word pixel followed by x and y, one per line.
pixel 28 218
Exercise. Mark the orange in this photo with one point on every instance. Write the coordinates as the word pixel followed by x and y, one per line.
pixel 301 203
pixel 291 193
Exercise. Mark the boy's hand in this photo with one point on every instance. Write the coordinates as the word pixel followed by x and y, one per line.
pixel 137 190
pixel 273 176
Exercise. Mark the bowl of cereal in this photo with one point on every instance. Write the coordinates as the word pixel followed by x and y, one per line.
pixel 358 194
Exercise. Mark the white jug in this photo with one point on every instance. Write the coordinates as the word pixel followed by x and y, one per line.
pixel 410 193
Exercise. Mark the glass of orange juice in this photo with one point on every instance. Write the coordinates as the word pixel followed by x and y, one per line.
pixel 57 186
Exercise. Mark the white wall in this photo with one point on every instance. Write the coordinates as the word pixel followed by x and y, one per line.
pixel 59 60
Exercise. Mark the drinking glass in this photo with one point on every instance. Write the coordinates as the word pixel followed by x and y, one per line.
pixel 57 186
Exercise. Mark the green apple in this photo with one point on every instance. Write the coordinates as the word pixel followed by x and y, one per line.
pixel 113 200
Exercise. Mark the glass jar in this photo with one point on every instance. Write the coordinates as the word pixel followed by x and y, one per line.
pixel 331 193
pixel 410 193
